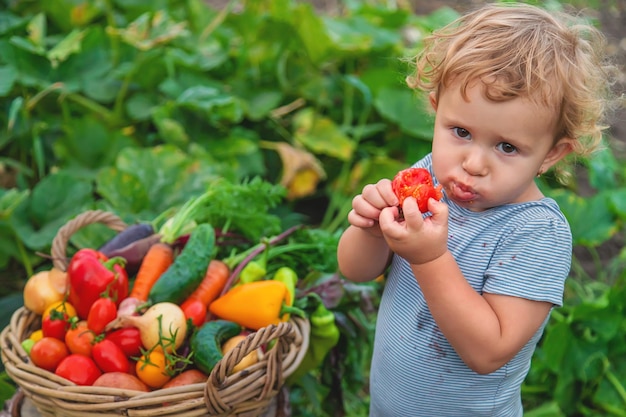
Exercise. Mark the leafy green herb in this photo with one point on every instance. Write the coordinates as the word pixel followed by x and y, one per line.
pixel 242 207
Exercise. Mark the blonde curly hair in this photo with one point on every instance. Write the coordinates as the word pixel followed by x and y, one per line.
pixel 518 50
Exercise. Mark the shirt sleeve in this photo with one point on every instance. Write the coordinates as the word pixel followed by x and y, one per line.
pixel 532 262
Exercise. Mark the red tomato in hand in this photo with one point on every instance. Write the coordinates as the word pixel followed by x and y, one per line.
pixel 79 339
pixel 195 310
pixel 48 352
pixel 101 313
pixel 110 357
pixel 127 338
pixel 79 369
pixel 417 183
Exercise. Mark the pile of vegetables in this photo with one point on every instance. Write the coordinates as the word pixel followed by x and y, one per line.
pixel 153 308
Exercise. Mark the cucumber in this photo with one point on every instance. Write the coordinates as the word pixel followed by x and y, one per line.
pixel 206 342
pixel 187 270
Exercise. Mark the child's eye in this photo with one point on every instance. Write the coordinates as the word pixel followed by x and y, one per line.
pixel 507 148
pixel 461 133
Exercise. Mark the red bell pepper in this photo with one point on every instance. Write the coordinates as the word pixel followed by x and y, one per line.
pixel 92 275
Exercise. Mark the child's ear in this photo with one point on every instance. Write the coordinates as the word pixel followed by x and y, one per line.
pixel 559 151
pixel 432 98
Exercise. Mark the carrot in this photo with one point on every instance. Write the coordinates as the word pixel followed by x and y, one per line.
pixel 211 285
pixel 158 258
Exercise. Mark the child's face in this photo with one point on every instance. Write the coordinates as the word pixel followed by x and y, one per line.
pixel 486 153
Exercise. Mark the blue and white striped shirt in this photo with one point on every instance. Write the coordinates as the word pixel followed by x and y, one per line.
pixel 522 250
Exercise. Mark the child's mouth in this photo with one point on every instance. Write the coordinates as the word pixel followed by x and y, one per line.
pixel 462 193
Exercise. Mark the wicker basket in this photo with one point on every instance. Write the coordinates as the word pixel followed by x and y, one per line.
pixel 251 392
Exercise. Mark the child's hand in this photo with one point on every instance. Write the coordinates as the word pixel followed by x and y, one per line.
pixel 418 240
pixel 367 206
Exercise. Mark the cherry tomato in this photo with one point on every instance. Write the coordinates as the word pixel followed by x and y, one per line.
pixel 79 369
pixel 79 338
pixel 152 369
pixel 195 310
pixel 101 313
pixel 48 352
pixel 110 357
pixel 127 338
pixel 55 325
pixel 62 307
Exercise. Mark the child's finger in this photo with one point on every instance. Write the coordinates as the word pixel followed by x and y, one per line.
pixel 411 212
pixel 439 211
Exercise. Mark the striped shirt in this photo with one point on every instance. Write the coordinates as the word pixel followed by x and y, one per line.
pixel 522 250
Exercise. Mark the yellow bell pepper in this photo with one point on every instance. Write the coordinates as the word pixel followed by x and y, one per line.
pixel 254 305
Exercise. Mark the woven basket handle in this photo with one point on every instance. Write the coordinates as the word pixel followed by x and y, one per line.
pixel 60 241
pixel 217 391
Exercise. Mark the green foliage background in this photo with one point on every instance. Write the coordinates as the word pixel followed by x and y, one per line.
pixel 135 106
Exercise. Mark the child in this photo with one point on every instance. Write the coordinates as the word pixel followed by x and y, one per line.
pixel 471 284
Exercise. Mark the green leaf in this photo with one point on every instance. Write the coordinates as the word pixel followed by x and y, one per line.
pixel 356 34
pixel 216 104
pixel 371 170
pixel 209 55
pixel 321 135
pixel 556 341
pixel 603 168
pixel 617 201
pixel 550 409
pixel 150 181
pixel 10 199
pixel 437 19
pixel 602 323
pixel 10 22
pixel 172 132
pixel 261 102
pixel 402 106
pixel 54 200
pixel 590 218
pixel 8 75
pixel 68 14
pixel 89 144
pixel 151 30
pixel 312 31
pixel 37 31
pixel 140 106
pixel 123 190
pixel 33 70
pixel 27 45
pixel 67 46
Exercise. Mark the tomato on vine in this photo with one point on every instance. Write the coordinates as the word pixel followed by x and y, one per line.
pixel 152 369
pixel 55 325
pixel 79 339
pixel 61 307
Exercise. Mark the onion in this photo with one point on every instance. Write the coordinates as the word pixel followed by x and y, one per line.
pixel 129 306
pixel 43 289
pixel 162 326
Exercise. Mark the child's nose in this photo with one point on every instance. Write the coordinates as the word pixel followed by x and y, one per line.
pixel 474 163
